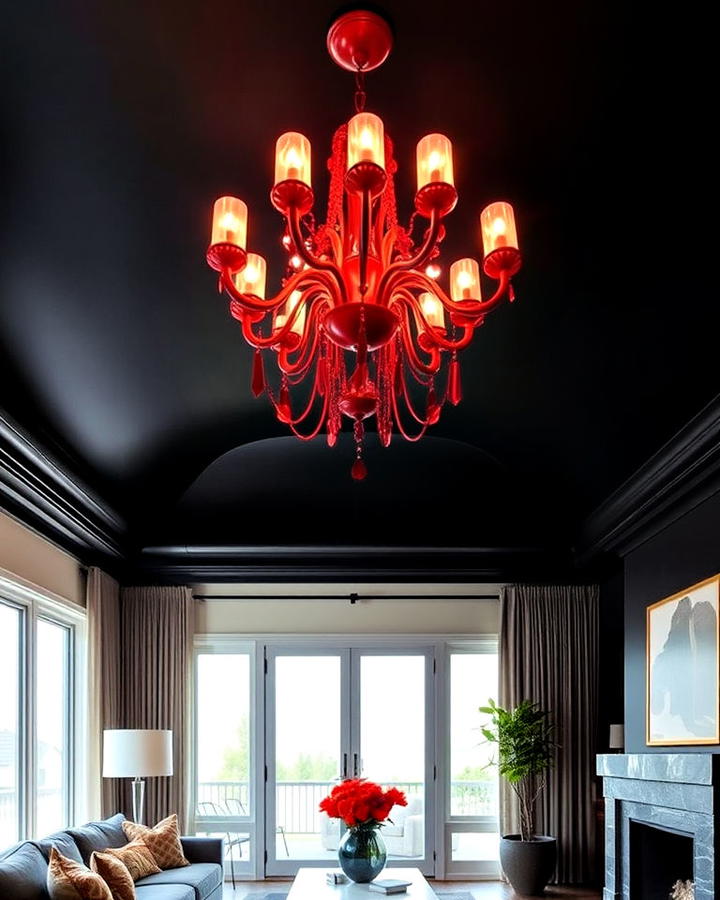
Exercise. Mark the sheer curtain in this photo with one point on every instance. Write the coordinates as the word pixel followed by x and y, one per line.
pixel 549 654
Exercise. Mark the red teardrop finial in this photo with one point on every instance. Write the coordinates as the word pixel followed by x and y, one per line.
pixel 359 470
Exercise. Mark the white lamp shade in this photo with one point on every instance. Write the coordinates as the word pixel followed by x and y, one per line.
pixel 617 737
pixel 137 753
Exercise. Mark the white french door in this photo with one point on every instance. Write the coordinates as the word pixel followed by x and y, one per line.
pixel 338 712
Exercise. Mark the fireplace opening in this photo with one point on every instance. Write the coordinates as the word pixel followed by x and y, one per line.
pixel 658 858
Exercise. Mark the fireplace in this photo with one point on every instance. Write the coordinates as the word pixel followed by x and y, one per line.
pixel 660 827
pixel 658 858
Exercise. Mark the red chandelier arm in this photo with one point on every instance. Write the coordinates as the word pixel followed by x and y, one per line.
pixel 308 342
pixel 308 257
pixel 413 262
pixel 473 309
pixel 396 414
pixel 308 408
pixel 387 244
pixel 404 297
pixel 241 303
pixel 414 361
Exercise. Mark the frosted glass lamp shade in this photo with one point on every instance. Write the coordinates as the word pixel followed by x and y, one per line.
pixel 137 753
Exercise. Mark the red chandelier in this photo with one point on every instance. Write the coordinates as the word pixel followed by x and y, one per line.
pixel 360 320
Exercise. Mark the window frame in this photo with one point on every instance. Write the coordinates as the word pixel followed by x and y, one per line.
pixel 459 869
pixel 37 604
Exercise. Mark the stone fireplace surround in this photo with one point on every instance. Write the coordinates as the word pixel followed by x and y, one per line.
pixel 675 791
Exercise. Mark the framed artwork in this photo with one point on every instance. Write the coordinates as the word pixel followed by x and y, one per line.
pixel 682 667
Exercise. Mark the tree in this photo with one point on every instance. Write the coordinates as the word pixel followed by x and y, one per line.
pixel 236 759
pixel 526 749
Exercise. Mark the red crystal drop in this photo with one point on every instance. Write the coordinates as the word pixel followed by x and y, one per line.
pixel 258 374
pixel 454 387
pixel 511 293
pixel 359 470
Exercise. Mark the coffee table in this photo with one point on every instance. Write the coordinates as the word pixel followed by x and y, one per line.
pixel 310 884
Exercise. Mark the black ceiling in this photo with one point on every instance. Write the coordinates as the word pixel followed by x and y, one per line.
pixel 122 121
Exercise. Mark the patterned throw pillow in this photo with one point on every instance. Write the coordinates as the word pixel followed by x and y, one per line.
pixel 115 874
pixel 70 880
pixel 137 858
pixel 163 840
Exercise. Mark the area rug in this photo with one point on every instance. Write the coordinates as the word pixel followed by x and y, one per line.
pixel 442 895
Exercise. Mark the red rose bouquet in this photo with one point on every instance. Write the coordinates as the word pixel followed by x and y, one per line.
pixel 361 803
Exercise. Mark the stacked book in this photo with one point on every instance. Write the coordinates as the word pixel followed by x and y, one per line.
pixel 389 886
pixel 336 876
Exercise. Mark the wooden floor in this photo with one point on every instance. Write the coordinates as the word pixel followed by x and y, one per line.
pixel 481 890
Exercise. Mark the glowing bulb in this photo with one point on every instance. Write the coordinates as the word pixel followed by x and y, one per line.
pixel 464 280
pixel 433 270
pixel 251 274
pixel 366 139
pixel 287 241
pixel 434 161
pixel 295 261
pixel 229 222
pixel 292 157
pixel 498 227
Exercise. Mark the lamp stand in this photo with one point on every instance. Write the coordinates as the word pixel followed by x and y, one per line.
pixel 138 796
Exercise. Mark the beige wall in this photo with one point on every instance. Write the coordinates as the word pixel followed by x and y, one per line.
pixel 320 615
pixel 32 558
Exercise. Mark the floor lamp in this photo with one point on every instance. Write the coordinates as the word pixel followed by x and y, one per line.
pixel 137 753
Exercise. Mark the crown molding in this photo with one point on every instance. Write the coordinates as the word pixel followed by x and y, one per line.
pixel 470 565
pixel 39 493
pixel 680 476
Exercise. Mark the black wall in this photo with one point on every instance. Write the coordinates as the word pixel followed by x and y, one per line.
pixel 685 553
pixel 610 674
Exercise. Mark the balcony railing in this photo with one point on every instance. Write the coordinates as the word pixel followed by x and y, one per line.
pixel 297 801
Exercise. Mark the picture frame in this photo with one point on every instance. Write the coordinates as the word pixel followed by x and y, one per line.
pixel 683 684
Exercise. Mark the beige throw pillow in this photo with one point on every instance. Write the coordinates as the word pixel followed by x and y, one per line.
pixel 137 858
pixel 70 880
pixel 115 874
pixel 163 841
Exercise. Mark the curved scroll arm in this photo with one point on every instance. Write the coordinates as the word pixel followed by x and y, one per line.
pixel 402 265
pixel 240 303
pixel 308 341
pixel 396 413
pixel 473 309
pixel 426 368
pixel 436 335
pixel 308 257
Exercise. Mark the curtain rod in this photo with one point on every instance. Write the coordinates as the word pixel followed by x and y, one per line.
pixel 353 598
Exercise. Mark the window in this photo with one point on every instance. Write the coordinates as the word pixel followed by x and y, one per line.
pixel 52 727
pixel 224 790
pixel 41 654
pixel 11 625
pixel 472 828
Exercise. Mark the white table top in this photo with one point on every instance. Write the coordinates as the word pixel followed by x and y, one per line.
pixel 310 884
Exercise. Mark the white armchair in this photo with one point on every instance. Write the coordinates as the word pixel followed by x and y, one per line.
pixel 403 837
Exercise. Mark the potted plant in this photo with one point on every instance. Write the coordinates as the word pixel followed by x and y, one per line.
pixel 526 747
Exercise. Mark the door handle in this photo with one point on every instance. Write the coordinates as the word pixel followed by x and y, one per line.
pixel 355 765
pixel 344 769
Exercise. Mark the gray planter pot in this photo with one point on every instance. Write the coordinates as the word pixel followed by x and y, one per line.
pixel 529 865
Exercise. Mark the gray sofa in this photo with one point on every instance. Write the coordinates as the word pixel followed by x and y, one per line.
pixel 23 868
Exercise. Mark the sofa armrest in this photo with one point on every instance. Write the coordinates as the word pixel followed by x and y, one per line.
pixel 203 849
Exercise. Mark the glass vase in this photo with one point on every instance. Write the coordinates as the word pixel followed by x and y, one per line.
pixel 362 853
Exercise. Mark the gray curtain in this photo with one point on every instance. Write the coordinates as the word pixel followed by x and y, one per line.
pixel 549 654
pixel 155 661
pixel 104 697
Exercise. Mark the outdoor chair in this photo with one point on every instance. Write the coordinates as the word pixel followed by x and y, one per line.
pixel 234 806
pixel 232 838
